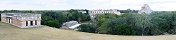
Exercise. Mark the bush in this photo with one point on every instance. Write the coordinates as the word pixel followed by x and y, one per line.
pixel 53 23
pixel 91 28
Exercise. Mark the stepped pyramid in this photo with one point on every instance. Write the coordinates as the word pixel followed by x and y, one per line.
pixel 145 9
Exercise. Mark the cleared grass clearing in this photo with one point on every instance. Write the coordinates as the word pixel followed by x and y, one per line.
pixel 9 32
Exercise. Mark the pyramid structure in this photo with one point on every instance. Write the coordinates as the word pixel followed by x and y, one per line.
pixel 145 9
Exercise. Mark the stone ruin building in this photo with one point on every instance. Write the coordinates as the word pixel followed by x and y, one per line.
pixel 145 9
pixel 22 20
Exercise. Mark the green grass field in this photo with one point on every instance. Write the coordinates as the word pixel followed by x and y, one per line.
pixel 9 32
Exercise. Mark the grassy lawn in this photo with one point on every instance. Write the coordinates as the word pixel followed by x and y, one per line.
pixel 9 32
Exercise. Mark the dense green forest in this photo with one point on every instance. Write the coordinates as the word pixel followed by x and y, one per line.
pixel 156 23
pixel 56 19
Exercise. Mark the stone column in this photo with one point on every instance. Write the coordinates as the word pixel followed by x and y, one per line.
pixel 29 23
pixel 34 23
pixel 38 22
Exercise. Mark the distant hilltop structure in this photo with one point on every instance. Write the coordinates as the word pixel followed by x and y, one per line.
pixel 94 13
pixel 100 11
pixel 22 20
pixel 145 9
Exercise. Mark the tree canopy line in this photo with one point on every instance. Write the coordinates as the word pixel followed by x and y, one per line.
pixel 156 23
pixel 56 19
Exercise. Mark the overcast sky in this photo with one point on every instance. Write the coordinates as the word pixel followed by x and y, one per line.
pixel 159 5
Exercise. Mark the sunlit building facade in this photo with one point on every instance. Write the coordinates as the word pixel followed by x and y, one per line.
pixel 22 20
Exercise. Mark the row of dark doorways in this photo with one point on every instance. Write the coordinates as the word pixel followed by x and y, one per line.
pixel 31 23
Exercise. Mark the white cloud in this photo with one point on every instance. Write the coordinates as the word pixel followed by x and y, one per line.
pixel 85 4
pixel 32 4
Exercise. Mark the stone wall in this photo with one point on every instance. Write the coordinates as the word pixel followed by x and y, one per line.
pixel 19 20
pixel 16 22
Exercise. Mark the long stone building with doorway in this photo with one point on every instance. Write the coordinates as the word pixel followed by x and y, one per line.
pixel 22 20
pixel 100 11
pixel 94 13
